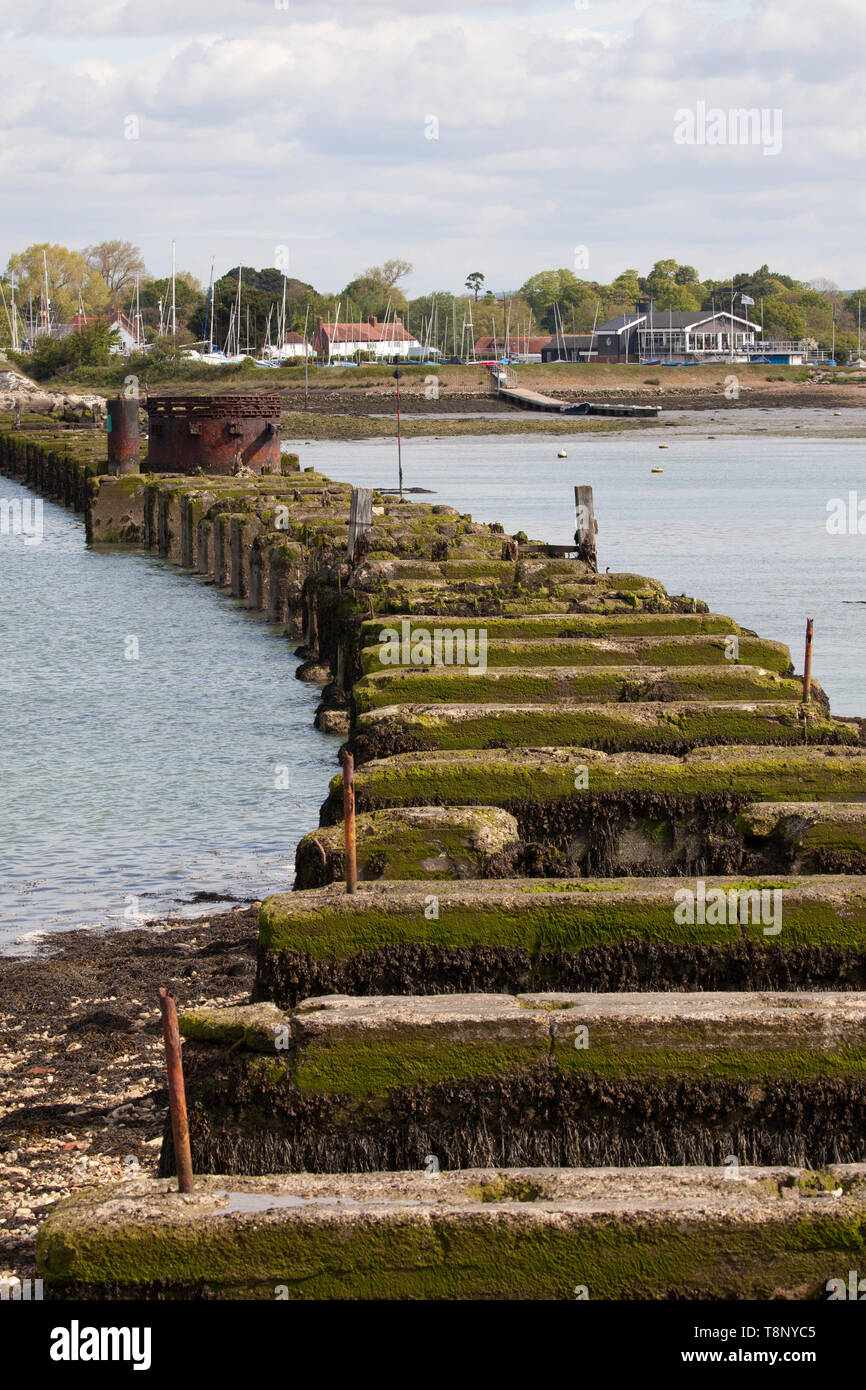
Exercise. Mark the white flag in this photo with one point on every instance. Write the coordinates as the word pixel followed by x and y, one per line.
pixel 746 299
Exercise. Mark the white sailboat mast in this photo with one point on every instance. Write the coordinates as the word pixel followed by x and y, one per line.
pixel 173 298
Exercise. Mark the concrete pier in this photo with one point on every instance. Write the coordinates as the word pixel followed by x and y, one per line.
pixel 526 829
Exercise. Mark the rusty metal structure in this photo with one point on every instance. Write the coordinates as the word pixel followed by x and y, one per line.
pixel 123 436
pixel 217 434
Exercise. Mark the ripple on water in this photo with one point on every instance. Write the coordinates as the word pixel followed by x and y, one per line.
pixel 140 773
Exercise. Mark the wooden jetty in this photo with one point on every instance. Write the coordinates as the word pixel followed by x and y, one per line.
pixel 523 398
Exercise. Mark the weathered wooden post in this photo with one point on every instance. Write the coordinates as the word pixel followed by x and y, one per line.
pixel 807 663
pixel 176 1092
pixel 349 852
pixel 584 536
pixel 397 375
pixel 360 523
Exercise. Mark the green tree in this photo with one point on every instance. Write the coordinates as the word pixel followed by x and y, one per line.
pixel 118 262
pixel 490 316
pixel 626 289
pixel 668 292
pixel 783 320
pixel 474 283
pixel 188 298
pixel 375 289
pixel 366 296
pixel 554 294
pixel 69 276
pixel 852 301
pixel 56 357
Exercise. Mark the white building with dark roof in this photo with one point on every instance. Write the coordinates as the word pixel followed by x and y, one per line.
pixel 694 335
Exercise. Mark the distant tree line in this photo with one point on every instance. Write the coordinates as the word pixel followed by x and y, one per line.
pixel 102 278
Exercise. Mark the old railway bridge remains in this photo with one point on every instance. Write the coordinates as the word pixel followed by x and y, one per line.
pixel 594 1017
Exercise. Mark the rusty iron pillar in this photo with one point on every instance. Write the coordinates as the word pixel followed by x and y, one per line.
pixel 123 438
pixel 217 434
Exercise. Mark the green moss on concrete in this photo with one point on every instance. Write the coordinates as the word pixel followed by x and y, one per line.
pixel 350 1065
pixel 574 625
pixel 608 727
pixel 501 685
pixel 129 485
pixel 255 1028
pixel 693 1052
pixel 536 917
pixel 482 777
pixel 846 838
pixel 396 845
pixel 529 654
pixel 446 1256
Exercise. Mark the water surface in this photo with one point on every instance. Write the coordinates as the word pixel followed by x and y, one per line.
pixel 131 784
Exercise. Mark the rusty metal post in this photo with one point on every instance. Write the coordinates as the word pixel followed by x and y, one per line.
pixel 176 1092
pixel 807 663
pixel 123 435
pixel 349 851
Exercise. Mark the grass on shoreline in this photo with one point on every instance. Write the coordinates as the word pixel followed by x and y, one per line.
pixel 196 378
pixel 301 425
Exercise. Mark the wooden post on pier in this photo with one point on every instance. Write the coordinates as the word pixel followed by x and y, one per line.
pixel 176 1092
pixel 807 663
pixel 360 523
pixel 349 852
pixel 584 536
pixel 397 375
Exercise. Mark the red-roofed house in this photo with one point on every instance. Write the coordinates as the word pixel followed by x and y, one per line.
pixel 383 340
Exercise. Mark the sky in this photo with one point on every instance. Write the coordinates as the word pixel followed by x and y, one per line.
pixel 459 135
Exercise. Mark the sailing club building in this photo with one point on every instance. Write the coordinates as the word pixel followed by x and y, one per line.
pixel 663 335
pixel 669 334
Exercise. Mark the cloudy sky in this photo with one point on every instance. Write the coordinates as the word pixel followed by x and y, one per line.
pixel 460 135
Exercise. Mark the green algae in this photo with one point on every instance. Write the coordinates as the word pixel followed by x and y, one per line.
pixel 401 850
pixel 602 649
pixel 385 1058
pixel 478 777
pixel 447 1256
pixel 448 685
pixel 610 728
pixel 538 919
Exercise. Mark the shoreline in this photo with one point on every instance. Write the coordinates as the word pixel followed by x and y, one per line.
pixel 745 422
pixel 81 1054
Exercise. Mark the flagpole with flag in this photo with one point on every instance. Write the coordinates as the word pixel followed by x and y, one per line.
pixel 746 300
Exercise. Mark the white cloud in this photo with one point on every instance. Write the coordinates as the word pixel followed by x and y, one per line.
pixel 307 126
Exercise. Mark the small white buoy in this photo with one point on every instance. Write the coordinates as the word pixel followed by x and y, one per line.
pixel 562 454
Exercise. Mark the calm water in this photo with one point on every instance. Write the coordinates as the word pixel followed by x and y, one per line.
pixel 739 522
pixel 129 785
